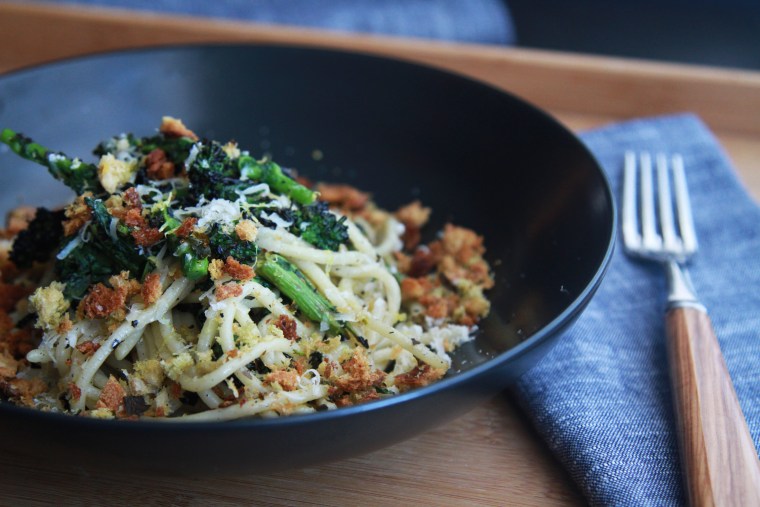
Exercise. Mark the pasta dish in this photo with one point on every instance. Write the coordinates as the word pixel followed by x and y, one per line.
pixel 189 280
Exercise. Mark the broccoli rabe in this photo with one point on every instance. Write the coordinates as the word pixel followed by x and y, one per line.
pixel 193 261
pixel 84 265
pixel 318 226
pixel 75 174
pixel 39 240
pixel 101 256
pixel 214 174
pixel 122 245
pixel 272 174
pixel 294 284
pixel 225 244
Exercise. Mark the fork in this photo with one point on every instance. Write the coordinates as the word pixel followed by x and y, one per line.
pixel 718 456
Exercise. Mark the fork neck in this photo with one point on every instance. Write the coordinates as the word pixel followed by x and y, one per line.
pixel 680 290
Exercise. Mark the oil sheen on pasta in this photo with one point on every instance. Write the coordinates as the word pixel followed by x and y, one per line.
pixel 190 280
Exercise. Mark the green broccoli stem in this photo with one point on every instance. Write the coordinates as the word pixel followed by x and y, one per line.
pixel 171 224
pixel 193 267
pixel 75 174
pixel 271 174
pixel 294 284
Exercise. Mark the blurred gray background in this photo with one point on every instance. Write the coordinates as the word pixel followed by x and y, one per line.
pixel 714 32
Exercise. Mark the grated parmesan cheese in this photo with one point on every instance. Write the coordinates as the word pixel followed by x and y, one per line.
pixel 218 211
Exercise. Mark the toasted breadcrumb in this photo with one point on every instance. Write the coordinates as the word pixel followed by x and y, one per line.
pixel 419 376
pixel 173 127
pixel 11 294
pixel 288 380
pixel 414 216
pixel 8 364
pixel 74 391
pixel 158 166
pixel 216 269
pixel 124 284
pixel 18 219
pixel 236 270
pixel 112 396
pixel 358 373
pixel 99 302
pixel 423 261
pixel 88 348
pixel 131 198
pixel 114 173
pixel 147 236
pixel 150 371
pixel 246 230
pixel 463 256
pixel 77 214
pixel 228 290
pixel 456 260
pixel 50 304
pixel 65 326
pixel 151 288
pixel 21 390
pixel 187 227
pixel 287 326
pixel 102 301
pixel 344 197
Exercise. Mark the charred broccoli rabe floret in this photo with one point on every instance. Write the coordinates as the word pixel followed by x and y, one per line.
pixel 39 240
pixel 318 226
pixel 228 244
pixel 214 175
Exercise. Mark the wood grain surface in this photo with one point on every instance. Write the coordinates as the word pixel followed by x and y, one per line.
pixel 490 456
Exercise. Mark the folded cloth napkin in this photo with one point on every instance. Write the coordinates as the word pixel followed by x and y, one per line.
pixel 602 398
pixel 484 21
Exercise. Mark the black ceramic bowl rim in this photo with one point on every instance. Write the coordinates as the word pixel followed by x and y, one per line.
pixel 556 325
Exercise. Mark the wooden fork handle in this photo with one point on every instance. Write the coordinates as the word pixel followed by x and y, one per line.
pixel 719 459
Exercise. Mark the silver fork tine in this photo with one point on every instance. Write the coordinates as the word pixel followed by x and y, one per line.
pixel 631 236
pixel 683 206
pixel 651 238
pixel 667 225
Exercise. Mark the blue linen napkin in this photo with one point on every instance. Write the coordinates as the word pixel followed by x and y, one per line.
pixel 602 398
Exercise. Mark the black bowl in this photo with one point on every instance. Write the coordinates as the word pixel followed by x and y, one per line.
pixel 480 157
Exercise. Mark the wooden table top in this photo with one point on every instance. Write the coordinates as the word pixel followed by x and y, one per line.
pixel 490 456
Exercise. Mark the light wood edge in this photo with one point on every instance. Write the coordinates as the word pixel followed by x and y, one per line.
pixel 557 81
